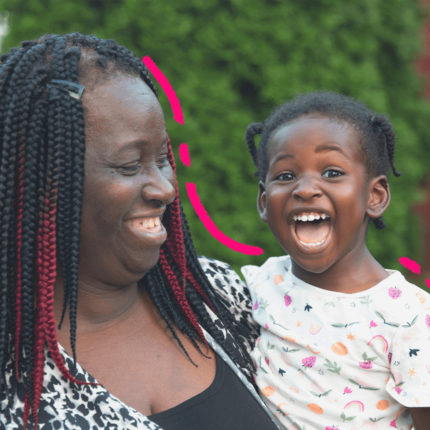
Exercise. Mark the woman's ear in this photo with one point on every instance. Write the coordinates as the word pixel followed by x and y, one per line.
pixel 379 196
pixel 261 201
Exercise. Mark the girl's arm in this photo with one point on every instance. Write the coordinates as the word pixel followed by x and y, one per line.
pixel 421 418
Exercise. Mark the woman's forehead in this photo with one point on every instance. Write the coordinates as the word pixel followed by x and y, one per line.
pixel 118 88
pixel 120 111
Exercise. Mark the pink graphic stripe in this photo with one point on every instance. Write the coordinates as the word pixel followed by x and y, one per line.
pixel 411 265
pixel 214 230
pixel 428 282
pixel 184 155
pixel 167 88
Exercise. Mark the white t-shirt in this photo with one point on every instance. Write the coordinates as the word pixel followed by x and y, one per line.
pixel 335 361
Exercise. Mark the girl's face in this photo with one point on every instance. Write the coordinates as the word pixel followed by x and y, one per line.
pixel 317 197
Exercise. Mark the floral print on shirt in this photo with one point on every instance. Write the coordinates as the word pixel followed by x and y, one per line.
pixel 336 361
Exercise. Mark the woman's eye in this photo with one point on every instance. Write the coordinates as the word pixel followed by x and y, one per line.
pixel 285 177
pixel 332 173
pixel 129 169
pixel 163 161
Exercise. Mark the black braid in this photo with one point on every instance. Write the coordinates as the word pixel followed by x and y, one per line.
pixel 377 138
pixel 251 131
pixel 384 127
pixel 13 116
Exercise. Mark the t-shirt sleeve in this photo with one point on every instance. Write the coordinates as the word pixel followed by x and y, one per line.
pixel 234 293
pixel 409 358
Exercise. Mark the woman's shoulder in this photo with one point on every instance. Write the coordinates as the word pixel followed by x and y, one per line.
pixel 226 283
pixel 233 292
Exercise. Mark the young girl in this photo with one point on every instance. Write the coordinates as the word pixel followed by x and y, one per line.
pixel 345 343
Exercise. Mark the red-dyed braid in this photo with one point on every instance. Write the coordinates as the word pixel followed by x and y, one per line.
pixel 39 356
pixel 175 240
pixel 20 198
pixel 176 246
pixel 179 294
pixel 45 327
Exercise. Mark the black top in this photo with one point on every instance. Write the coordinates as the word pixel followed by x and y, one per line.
pixel 225 405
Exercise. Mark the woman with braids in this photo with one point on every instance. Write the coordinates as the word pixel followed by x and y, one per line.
pixel 107 318
pixel 346 342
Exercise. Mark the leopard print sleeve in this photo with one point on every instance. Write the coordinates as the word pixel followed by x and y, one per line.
pixel 235 295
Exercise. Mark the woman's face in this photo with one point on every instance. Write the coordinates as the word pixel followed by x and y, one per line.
pixel 128 182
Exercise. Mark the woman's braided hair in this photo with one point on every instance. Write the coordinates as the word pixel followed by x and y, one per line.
pixel 41 186
pixel 377 138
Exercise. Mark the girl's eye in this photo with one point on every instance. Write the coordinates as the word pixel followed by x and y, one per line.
pixel 332 173
pixel 128 169
pixel 285 177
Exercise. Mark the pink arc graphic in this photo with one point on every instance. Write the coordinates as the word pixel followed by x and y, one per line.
pixel 213 229
pixel 167 88
pixel 185 158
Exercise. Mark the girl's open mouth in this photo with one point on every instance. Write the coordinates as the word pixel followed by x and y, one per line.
pixel 311 229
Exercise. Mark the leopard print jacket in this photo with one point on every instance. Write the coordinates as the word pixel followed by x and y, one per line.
pixel 65 405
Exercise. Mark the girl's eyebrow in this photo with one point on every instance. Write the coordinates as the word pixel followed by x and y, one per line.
pixel 325 147
pixel 281 157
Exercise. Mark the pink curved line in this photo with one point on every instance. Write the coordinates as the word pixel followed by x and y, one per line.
pixel 213 229
pixel 428 283
pixel 411 265
pixel 184 155
pixel 165 85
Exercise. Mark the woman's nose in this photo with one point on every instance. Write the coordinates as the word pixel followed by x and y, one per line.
pixel 160 185
pixel 307 188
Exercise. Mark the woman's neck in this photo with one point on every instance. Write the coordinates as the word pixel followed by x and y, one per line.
pixel 98 304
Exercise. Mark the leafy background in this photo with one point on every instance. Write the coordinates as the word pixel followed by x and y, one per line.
pixel 232 61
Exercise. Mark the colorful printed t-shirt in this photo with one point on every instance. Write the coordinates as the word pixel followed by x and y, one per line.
pixel 336 361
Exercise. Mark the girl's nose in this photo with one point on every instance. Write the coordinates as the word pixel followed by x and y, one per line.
pixel 306 189
pixel 159 186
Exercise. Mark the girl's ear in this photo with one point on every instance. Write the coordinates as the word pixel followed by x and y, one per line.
pixel 261 201
pixel 379 196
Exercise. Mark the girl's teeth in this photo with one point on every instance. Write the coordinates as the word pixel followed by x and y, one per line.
pixel 310 217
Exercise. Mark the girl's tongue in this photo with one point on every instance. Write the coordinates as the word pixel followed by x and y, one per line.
pixel 312 231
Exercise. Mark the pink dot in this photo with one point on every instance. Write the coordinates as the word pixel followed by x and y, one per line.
pixel 184 155
pixel 411 265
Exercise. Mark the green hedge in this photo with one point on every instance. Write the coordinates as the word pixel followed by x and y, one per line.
pixel 232 61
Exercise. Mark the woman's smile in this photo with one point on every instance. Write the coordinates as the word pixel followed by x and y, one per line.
pixel 148 229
